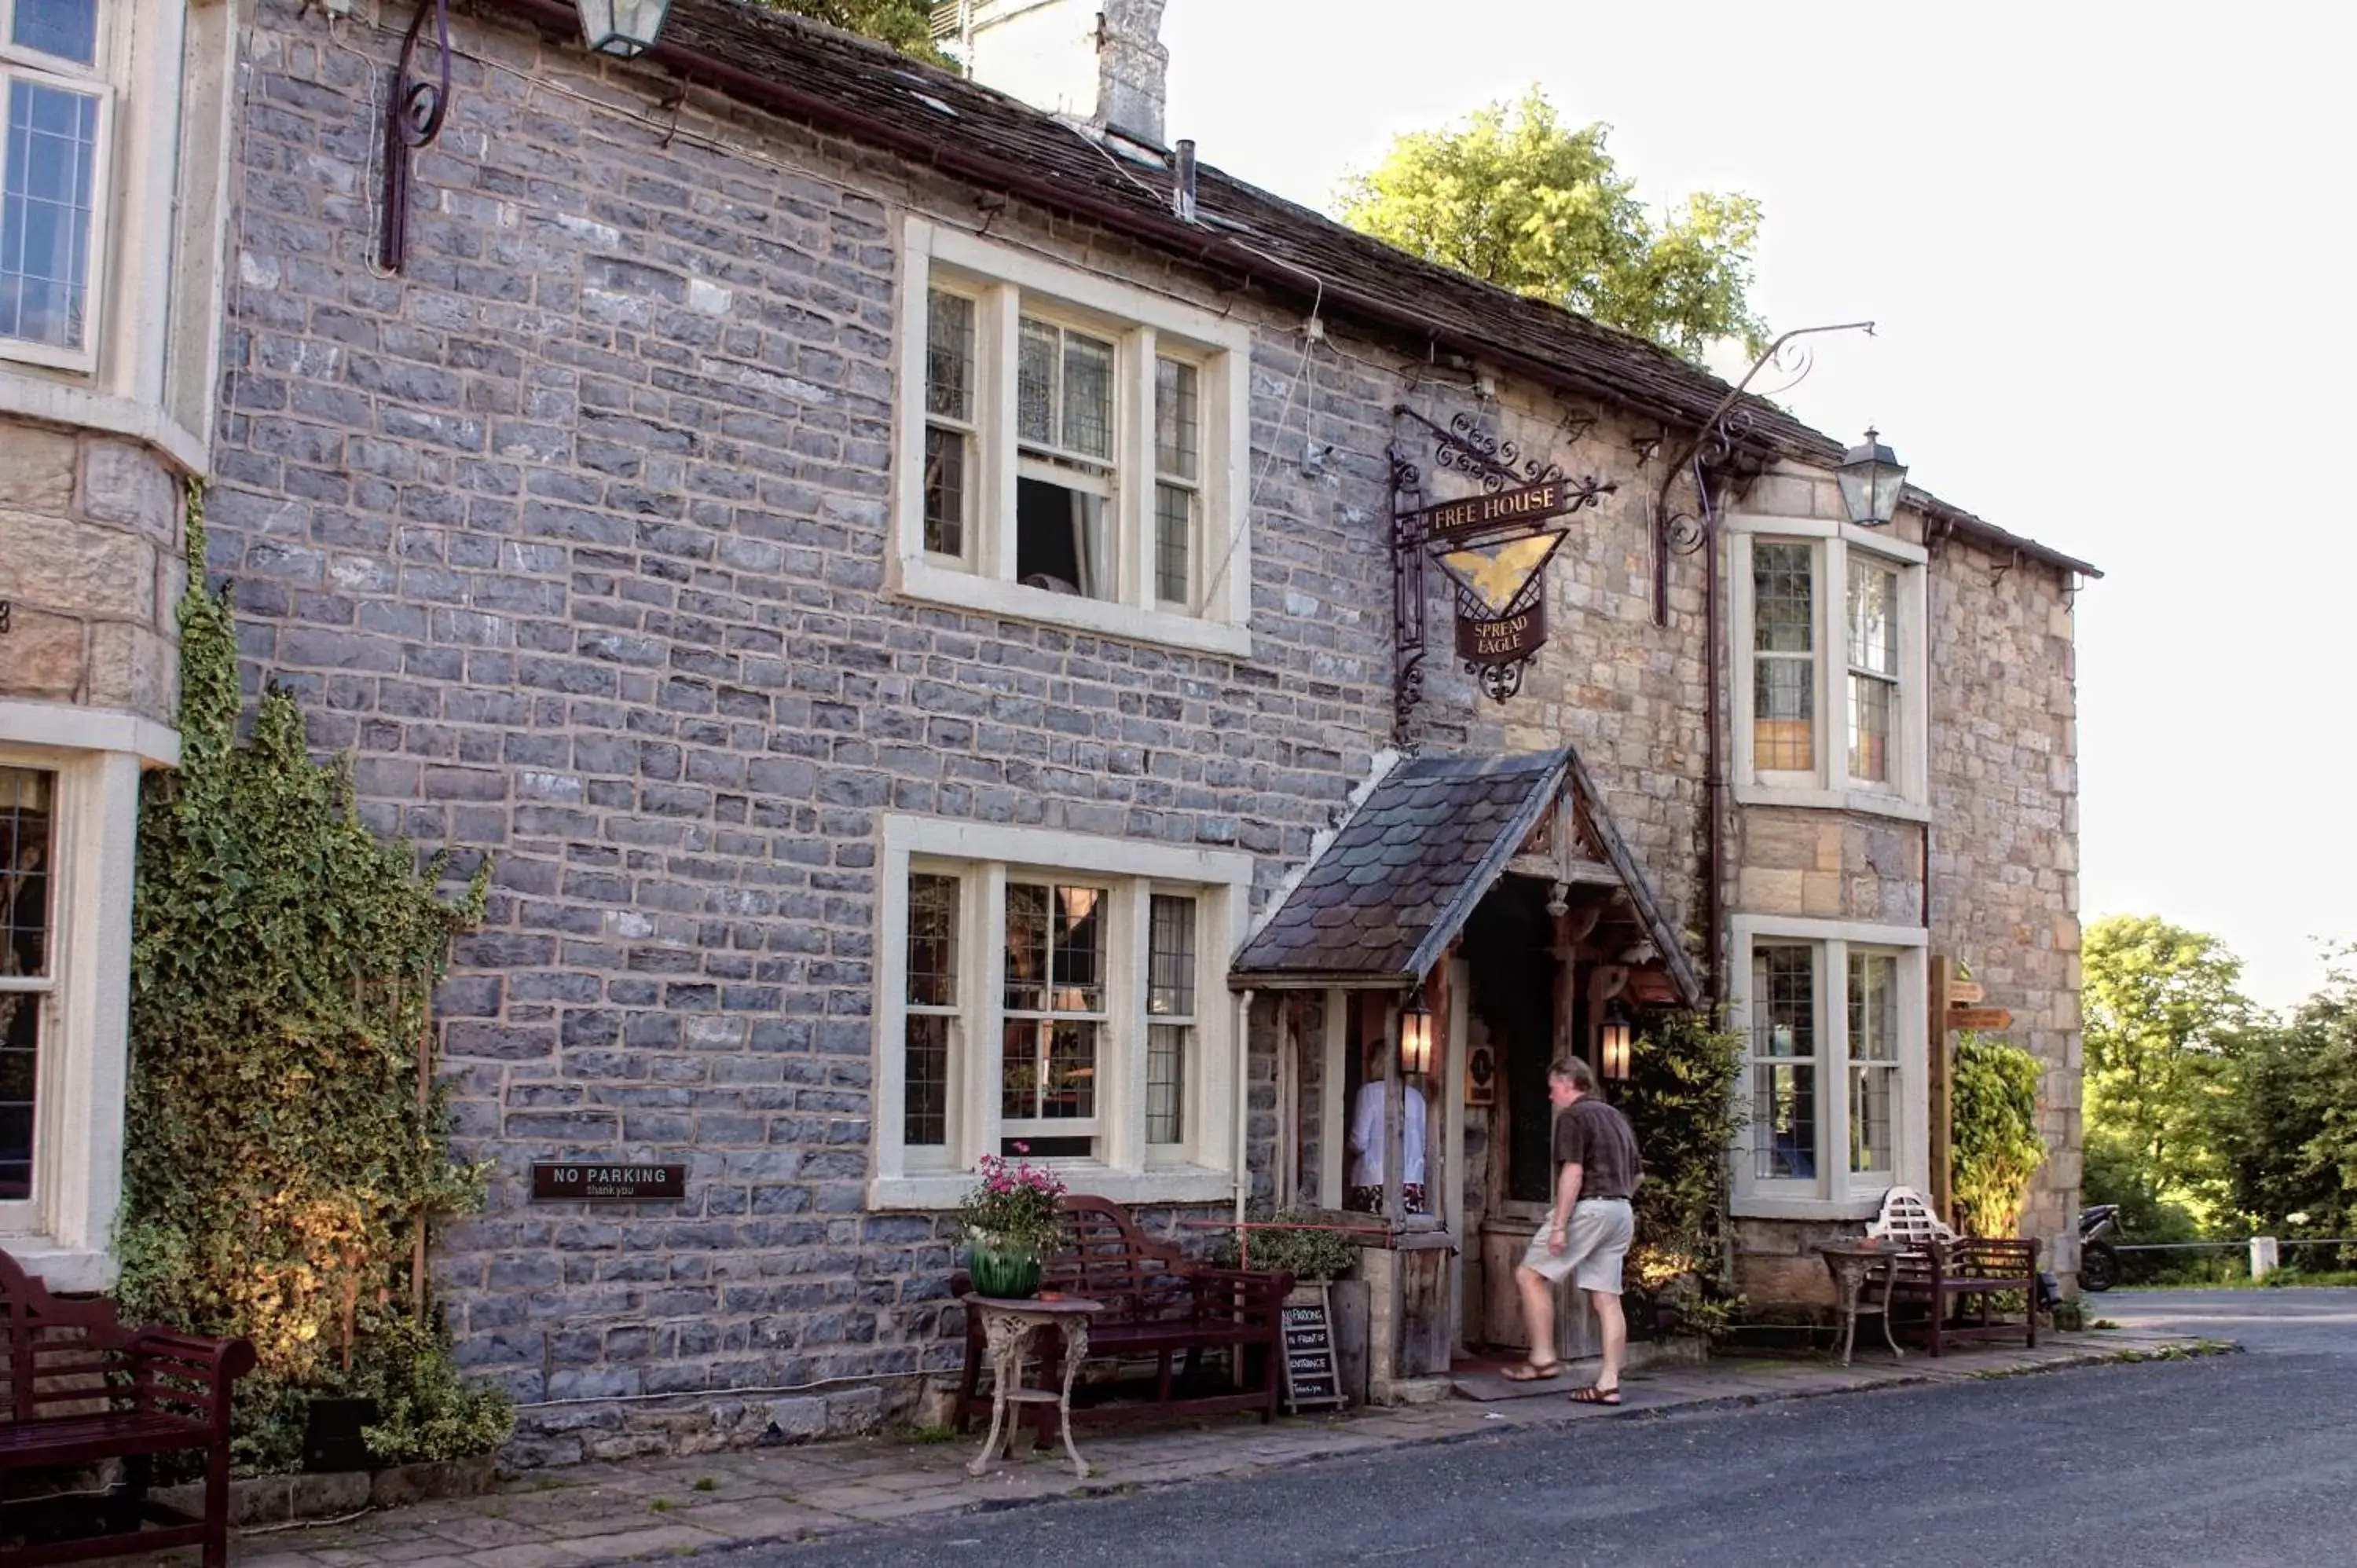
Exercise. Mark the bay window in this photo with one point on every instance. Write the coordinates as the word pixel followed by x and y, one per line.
pixel 53 147
pixel 114 130
pixel 68 829
pixel 1073 448
pixel 1054 995
pixel 1835 1036
pixel 1831 667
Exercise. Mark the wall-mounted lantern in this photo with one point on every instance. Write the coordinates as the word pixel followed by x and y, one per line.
pixel 1416 1036
pixel 1616 1040
pixel 1871 477
pixel 624 28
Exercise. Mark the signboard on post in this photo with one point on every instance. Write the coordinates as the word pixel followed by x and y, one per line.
pixel 1506 509
pixel 1964 992
pixel 1311 1376
pixel 1979 1018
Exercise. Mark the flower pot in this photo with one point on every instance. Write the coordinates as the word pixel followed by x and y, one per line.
pixel 1001 1266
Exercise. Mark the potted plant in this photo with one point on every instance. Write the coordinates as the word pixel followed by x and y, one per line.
pixel 1010 1224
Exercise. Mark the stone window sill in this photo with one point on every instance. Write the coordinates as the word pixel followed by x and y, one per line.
pixel 1178 1184
pixel 921 579
pixel 62 1269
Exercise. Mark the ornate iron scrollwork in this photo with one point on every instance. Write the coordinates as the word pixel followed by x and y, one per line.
pixel 1496 465
pixel 414 112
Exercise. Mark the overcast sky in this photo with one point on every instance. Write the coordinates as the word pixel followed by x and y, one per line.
pixel 2108 257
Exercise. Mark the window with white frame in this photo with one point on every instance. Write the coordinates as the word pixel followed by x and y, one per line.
pixel 1072 449
pixel 54 73
pixel 68 826
pixel 1830 700
pixel 1058 999
pixel 1835 1047
pixel 28 964
pixel 114 118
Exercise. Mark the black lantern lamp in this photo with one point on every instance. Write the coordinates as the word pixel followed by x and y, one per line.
pixel 1616 1043
pixel 1871 477
pixel 1416 1036
pixel 624 28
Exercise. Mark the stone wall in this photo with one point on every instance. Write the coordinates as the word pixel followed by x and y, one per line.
pixel 573 538
pixel 2005 838
pixel 92 561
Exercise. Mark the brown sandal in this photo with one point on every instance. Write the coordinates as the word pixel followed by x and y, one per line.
pixel 1532 1372
pixel 1594 1395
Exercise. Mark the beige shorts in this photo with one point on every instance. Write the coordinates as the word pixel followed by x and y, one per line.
pixel 1597 1246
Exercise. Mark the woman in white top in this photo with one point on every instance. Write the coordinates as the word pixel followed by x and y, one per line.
pixel 1367 1142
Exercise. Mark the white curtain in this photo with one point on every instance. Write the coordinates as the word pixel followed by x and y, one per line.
pixel 1088 544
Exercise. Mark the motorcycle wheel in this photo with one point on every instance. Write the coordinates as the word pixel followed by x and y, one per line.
pixel 2099 1267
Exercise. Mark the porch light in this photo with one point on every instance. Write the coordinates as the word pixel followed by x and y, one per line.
pixel 1416 1036
pixel 1616 1045
pixel 624 28
pixel 1871 477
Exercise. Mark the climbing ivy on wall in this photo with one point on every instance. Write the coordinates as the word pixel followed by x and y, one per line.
pixel 1681 1098
pixel 286 1146
pixel 1995 1148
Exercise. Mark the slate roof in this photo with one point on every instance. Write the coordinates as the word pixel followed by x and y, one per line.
pixel 1403 873
pixel 936 118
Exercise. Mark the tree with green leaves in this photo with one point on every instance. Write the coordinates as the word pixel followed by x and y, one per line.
pixel 2162 1004
pixel 903 24
pixel 2286 1132
pixel 1517 198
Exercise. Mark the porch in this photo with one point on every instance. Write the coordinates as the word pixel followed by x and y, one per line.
pixel 1472 921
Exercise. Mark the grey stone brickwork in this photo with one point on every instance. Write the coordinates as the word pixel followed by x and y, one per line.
pixel 93 561
pixel 2005 842
pixel 573 538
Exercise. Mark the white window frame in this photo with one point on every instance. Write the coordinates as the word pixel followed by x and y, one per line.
pixel 150 360
pixel 1828 783
pixel 1836 1192
pixel 109 66
pixel 1202 1167
pixel 1008 285
pixel 65 1231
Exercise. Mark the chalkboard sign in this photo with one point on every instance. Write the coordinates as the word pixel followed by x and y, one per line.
pixel 1311 1376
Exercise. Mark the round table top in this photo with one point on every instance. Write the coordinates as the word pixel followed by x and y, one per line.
pixel 1062 1306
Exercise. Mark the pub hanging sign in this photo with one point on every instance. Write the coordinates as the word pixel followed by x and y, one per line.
pixel 1493 546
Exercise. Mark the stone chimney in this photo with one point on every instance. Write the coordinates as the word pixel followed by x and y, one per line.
pixel 1098 62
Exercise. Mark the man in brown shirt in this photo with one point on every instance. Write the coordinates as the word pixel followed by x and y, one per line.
pixel 1587 1231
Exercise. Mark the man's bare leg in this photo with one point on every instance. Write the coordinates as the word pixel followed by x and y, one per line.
pixel 1538 1313
pixel 1614 1328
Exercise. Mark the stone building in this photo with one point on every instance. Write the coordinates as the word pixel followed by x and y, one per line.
pixel 823 524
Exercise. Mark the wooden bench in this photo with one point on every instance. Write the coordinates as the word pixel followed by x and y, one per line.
pixel 1943 1274
pixel 1157 1303
pixel 80 1388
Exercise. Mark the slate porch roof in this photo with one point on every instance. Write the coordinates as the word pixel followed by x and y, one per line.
pixel 1402 875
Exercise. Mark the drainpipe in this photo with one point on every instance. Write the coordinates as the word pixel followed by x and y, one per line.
pixel 1714 773
pixel 1244 1105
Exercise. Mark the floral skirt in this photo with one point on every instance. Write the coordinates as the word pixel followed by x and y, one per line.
pixel 1369 1200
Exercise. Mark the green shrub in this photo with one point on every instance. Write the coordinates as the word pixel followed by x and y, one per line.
pixel 1681 1098
pixel 1995 1148
pixel 286 1145
pixel 1305 1254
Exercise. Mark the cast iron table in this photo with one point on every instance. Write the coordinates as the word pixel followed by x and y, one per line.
pixel 1008 1327
pixel 1852 1266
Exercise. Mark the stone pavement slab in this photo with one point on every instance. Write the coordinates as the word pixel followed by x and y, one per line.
pixel 592 1516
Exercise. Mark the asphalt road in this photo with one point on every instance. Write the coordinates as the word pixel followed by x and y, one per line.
pixel 2248 1459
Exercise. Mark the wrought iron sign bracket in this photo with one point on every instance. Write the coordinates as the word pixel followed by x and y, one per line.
pixel 1676 533
pixel 1494 545
pixel 414 112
